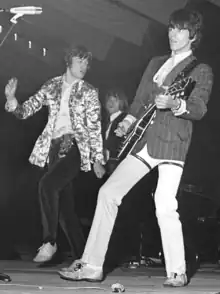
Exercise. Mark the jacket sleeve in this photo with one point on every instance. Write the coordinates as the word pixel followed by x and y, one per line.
pixel 196 105
pixel 93 121
pixel 30 106
pixel 142 96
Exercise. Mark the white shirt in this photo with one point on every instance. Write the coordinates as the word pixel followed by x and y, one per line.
pixel 63 123
pixel 167 67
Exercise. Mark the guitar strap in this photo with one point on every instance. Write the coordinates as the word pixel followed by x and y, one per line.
pixel 186 71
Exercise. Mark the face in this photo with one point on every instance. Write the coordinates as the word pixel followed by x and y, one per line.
pixel 112 105
pixel 179 40
pixel 79 67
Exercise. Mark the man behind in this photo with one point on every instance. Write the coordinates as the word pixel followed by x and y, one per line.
pixel 116 105
pixel 70 141
pixel 164 144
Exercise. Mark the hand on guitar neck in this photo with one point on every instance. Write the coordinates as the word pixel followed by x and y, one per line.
pixel 123 128
pixel 171 98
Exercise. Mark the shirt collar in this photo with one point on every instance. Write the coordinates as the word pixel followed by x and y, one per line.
pixel 67 85
pixel 113 116
pixel 180 56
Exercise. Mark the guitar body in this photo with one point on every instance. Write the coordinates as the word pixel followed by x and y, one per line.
pixel 180 89
pixel 136 134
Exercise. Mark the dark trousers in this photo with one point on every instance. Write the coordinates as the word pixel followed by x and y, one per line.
pixel 57 199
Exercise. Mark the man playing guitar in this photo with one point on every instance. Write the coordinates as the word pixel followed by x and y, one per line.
pixel 164 144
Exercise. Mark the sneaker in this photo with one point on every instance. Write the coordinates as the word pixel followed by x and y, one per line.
pixel 75 264
pixel 83 272
pixel 176 280
pixel 45 252
pixel 133 265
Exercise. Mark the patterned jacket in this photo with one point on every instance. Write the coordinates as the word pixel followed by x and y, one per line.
pixel 169 136
pixel 84 108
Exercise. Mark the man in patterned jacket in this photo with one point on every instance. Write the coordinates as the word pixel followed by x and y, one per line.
pixel 164 144
pixel 70 141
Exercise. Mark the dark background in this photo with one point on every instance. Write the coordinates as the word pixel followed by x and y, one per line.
pixel 122 65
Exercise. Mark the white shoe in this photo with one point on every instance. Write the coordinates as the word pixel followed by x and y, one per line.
pixel 82 272
pixel 45 252
pixel 75 264
pixel 176 280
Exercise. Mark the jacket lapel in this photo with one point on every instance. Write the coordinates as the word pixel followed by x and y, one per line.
pixel 58 89
pixel 158 63
pixel 116 121
pixel 177 69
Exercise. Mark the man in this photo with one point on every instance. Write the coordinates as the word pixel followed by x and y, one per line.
pixel 70 141
pixel 116 105
pixel 164 144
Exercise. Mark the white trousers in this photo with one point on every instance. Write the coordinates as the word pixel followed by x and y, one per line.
pixel 127 174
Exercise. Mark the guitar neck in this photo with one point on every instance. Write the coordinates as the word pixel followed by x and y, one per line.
pixel 151 109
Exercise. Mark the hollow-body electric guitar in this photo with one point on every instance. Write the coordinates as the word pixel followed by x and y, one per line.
pixel 179 89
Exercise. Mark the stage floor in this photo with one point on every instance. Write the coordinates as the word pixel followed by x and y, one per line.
pixel 28 278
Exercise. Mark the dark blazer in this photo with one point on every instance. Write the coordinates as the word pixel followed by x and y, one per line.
pixel 113 142
pixel 169 136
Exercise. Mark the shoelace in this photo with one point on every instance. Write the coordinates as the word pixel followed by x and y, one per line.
pixel 78 267
pixel 40 247
pixel 44 247
pixel 175 275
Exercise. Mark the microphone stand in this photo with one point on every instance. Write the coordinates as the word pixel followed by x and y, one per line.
pixel 7 34
pixel 14 21
pixel 4 277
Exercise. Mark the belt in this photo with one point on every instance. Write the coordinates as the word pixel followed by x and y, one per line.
pixel 65 143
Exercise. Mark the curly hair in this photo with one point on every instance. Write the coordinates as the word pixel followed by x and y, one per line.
pixel 77 51
pixel 189 20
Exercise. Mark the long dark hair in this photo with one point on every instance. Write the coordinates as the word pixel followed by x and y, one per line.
pixel 190 20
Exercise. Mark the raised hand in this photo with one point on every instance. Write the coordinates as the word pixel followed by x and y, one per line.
pixel 10 88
